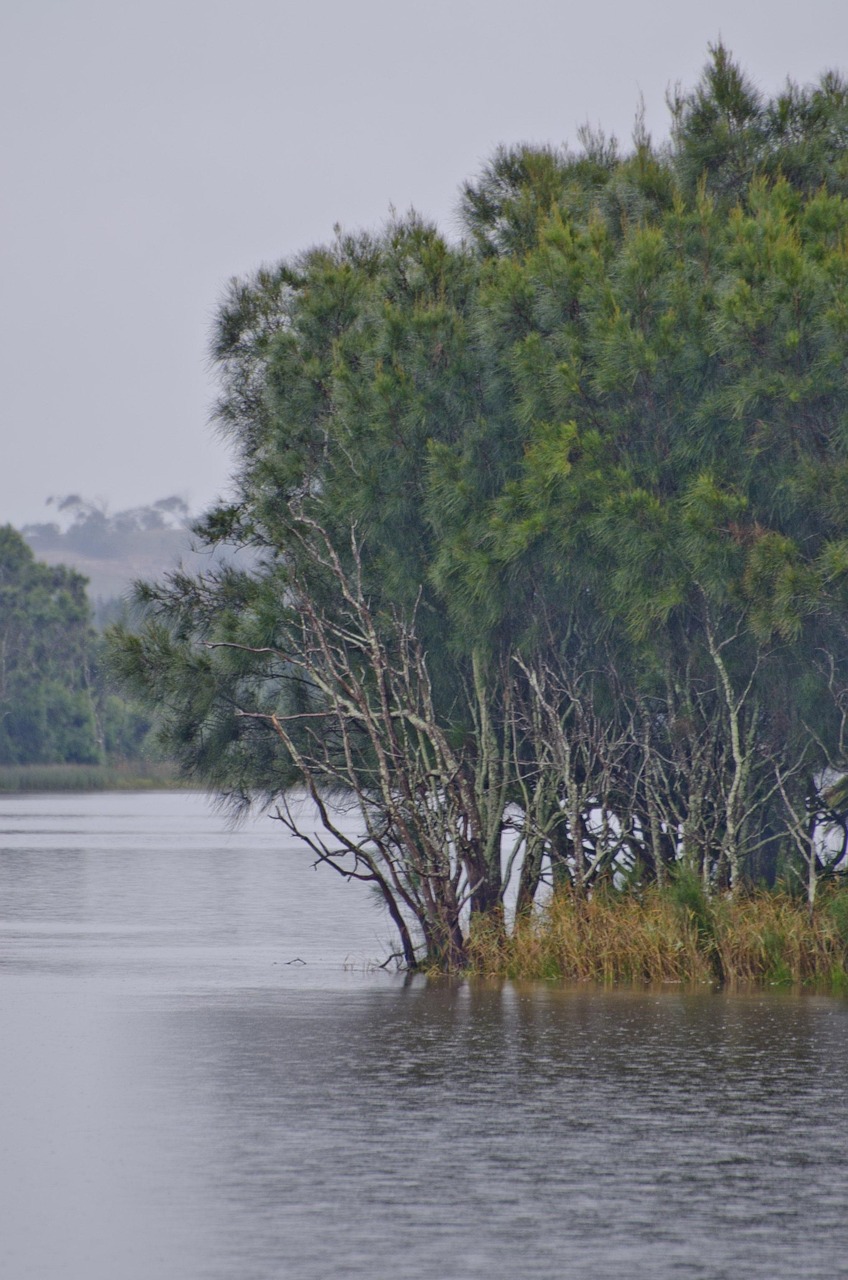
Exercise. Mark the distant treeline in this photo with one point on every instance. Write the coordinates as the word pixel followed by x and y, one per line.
pixel 93 532
pixel 113 550
pixel 57 705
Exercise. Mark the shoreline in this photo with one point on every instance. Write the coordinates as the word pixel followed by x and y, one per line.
pixel 126 776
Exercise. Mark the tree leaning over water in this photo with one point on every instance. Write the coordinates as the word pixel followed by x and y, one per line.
pixel 550 526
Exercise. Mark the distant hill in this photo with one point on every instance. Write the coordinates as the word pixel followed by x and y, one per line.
pixel 114 550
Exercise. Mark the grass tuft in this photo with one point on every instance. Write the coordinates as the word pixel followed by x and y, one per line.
pixel 674 935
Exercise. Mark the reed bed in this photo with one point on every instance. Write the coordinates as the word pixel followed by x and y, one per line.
pixel 130 776
pixel 774 938
pixel 675 935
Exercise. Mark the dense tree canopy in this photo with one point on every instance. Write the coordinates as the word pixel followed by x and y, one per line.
pixel 56 703
pixel 46 713
pixel 551 524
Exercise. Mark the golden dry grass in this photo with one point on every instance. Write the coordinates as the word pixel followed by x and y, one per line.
pixel 772 937
pixel 673 936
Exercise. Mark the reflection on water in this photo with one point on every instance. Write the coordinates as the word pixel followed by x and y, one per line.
pixel 179 1101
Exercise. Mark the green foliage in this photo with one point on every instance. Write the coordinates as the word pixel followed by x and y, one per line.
pixel 55 702
pixel 727 132
pixel 686 890
pixel 46 711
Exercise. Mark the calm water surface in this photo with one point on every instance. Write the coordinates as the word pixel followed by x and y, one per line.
pixel 180 1097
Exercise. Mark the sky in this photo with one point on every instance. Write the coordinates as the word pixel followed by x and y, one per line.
pixel 151 151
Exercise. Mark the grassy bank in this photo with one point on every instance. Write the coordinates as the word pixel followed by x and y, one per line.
pixel 676 935
pixel 129 776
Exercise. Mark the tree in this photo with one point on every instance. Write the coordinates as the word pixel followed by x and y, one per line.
pixel 46 711
pixel 684 427
pixel 349 347
pixel 549 527
pixel 57 705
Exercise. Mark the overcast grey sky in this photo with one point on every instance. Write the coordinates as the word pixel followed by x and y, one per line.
pixel 152 150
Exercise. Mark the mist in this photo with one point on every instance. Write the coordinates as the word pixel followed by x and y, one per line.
pixel 151 153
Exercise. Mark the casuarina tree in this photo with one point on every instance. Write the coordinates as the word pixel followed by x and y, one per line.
pixel 543 534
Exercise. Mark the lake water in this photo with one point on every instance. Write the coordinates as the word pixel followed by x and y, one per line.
pixel 202 1075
